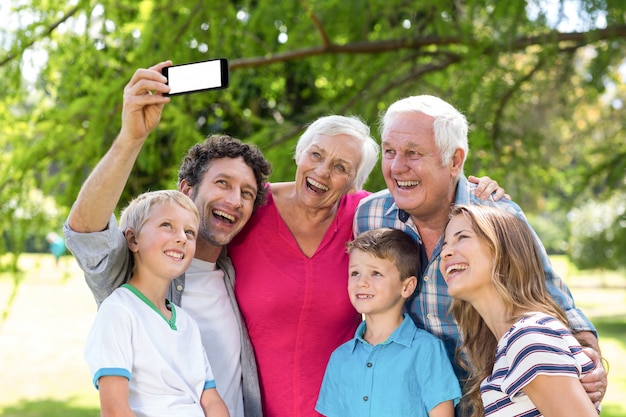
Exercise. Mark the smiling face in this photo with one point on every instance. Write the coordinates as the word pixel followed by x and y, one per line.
pixel 466 262
pixel 225 200
pixel 411 165
pixel 327 169
pixel 166 242
pixel 374 285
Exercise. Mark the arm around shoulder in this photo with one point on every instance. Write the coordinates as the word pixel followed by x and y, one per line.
pixel 595 382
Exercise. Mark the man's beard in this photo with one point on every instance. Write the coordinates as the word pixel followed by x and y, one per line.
pixel 206 234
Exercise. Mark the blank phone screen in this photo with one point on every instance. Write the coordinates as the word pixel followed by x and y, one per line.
pixel 193 77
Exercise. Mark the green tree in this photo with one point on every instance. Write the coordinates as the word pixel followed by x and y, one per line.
pixel 524 80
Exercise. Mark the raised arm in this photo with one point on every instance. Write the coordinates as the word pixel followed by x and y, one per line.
pixel 143 105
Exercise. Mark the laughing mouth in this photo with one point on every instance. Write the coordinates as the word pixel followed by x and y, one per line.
pixel 173 254
pixel 407 184
pixel 455 268
pixel 225 216
pixel 363 296
pixel 316 186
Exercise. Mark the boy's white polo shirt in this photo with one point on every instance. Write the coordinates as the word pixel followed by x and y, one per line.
pixel 164 362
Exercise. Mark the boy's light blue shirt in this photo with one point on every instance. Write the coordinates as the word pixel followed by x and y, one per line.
pixel 407 375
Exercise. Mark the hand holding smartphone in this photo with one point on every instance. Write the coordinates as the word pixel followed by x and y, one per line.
pixel 197 76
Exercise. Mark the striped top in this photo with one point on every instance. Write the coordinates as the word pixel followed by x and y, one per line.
pixel 537 344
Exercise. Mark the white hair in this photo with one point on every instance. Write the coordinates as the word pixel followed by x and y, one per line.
pixel 344 125
pixel 450 126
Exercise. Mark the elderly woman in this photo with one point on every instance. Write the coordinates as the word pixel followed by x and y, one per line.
pixel 292 266
pixel 292 269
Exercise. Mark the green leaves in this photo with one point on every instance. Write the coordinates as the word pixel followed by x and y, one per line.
pixel 540 101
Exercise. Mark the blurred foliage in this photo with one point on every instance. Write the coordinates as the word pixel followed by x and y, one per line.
pixel 542 83
pixel 598 235
pixel 553 230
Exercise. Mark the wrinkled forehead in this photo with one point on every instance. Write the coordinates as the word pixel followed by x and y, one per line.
pixel 341 146
pixel 410 123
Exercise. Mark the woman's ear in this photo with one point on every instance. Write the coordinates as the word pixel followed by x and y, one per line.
pixel 408 286
pixel 131 240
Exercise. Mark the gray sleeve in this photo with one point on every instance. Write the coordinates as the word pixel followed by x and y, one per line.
pixel 103 256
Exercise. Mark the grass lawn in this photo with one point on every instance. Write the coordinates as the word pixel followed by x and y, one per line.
pixel 43 331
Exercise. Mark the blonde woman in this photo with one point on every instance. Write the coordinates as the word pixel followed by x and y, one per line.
pixel 521 356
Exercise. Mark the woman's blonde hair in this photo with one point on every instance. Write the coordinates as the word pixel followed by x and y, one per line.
pixel 518 277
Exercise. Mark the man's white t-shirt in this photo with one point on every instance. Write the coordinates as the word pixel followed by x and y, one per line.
pixel 206 300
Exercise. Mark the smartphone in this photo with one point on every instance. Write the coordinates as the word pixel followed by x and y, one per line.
pixel 196 76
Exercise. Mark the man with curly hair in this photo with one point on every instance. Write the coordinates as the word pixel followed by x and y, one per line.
pixel 226 180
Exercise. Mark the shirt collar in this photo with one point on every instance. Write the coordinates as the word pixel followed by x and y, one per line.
pixel 403 335
pixel 463 188
pixel 402 215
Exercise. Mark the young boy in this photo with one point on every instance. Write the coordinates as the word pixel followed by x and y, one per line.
pixel 390 368
pixel 145 354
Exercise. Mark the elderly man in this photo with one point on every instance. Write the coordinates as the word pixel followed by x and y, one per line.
pixel 424 147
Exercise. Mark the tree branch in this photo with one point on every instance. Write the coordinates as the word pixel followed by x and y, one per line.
pixel 508 95
pixel 185 26
pixel 448 59
pixel 18 51
pixel 581 38
pixel 316 22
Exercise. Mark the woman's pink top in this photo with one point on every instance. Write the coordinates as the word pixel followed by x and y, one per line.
pixel 296 308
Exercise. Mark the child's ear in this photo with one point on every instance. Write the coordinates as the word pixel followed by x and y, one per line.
pixel 131 240
pixel 408 286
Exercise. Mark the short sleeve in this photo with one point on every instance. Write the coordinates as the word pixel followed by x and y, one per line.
pixel 437 379
pixel 536 350
pixel 108 349
pixel 327 402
